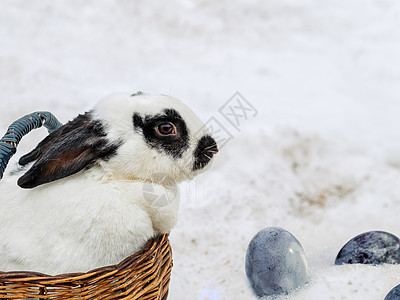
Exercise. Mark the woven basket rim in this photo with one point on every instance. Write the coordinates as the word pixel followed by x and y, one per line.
pixel 150 246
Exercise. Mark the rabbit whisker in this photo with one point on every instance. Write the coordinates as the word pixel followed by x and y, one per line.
pixel 207 156
pixel 213 145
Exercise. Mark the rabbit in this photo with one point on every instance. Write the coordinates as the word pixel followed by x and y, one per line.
pixel 81 203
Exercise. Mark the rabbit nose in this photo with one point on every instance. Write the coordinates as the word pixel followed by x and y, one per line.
pixel 209 145
pixel 205 150
pixel 213 149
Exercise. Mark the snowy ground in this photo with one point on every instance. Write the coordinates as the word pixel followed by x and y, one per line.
pixel 321 158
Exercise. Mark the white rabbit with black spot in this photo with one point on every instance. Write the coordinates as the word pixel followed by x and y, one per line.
pixel 80 204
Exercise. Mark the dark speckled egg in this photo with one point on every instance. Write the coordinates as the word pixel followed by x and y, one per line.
pixel 373 247
pixel 275 262
pixel 394 294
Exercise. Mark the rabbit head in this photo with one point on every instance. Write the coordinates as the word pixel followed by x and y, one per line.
pixel 143 137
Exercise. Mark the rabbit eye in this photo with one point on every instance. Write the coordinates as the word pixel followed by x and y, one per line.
pixel 166 128
pixel 166 131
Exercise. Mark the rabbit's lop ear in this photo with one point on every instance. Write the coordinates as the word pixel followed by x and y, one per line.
pixel 68 150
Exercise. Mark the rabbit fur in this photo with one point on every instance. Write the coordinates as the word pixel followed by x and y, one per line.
pixel 80 204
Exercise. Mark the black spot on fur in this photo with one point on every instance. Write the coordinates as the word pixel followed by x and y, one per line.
pixel 169 144
pixel 66 151
pixel 205 150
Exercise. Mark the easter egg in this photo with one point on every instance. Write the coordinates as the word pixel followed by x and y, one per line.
pixel 373 247
pixel 394 294
pixel 275 262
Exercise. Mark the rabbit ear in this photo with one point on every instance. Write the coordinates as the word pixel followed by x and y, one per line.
pixel 66 151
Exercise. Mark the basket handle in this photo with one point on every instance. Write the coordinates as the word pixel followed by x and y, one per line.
pixel 21 127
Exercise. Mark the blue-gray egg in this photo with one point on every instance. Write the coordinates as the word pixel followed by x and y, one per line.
pixel 275 262
pixel 373 247
pixel 394 294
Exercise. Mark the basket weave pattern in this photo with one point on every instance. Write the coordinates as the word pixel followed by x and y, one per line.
pixel 145 275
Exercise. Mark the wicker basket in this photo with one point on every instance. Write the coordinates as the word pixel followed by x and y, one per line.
pixel 145 275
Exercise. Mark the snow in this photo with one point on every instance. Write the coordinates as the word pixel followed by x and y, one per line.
pixel 321 158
